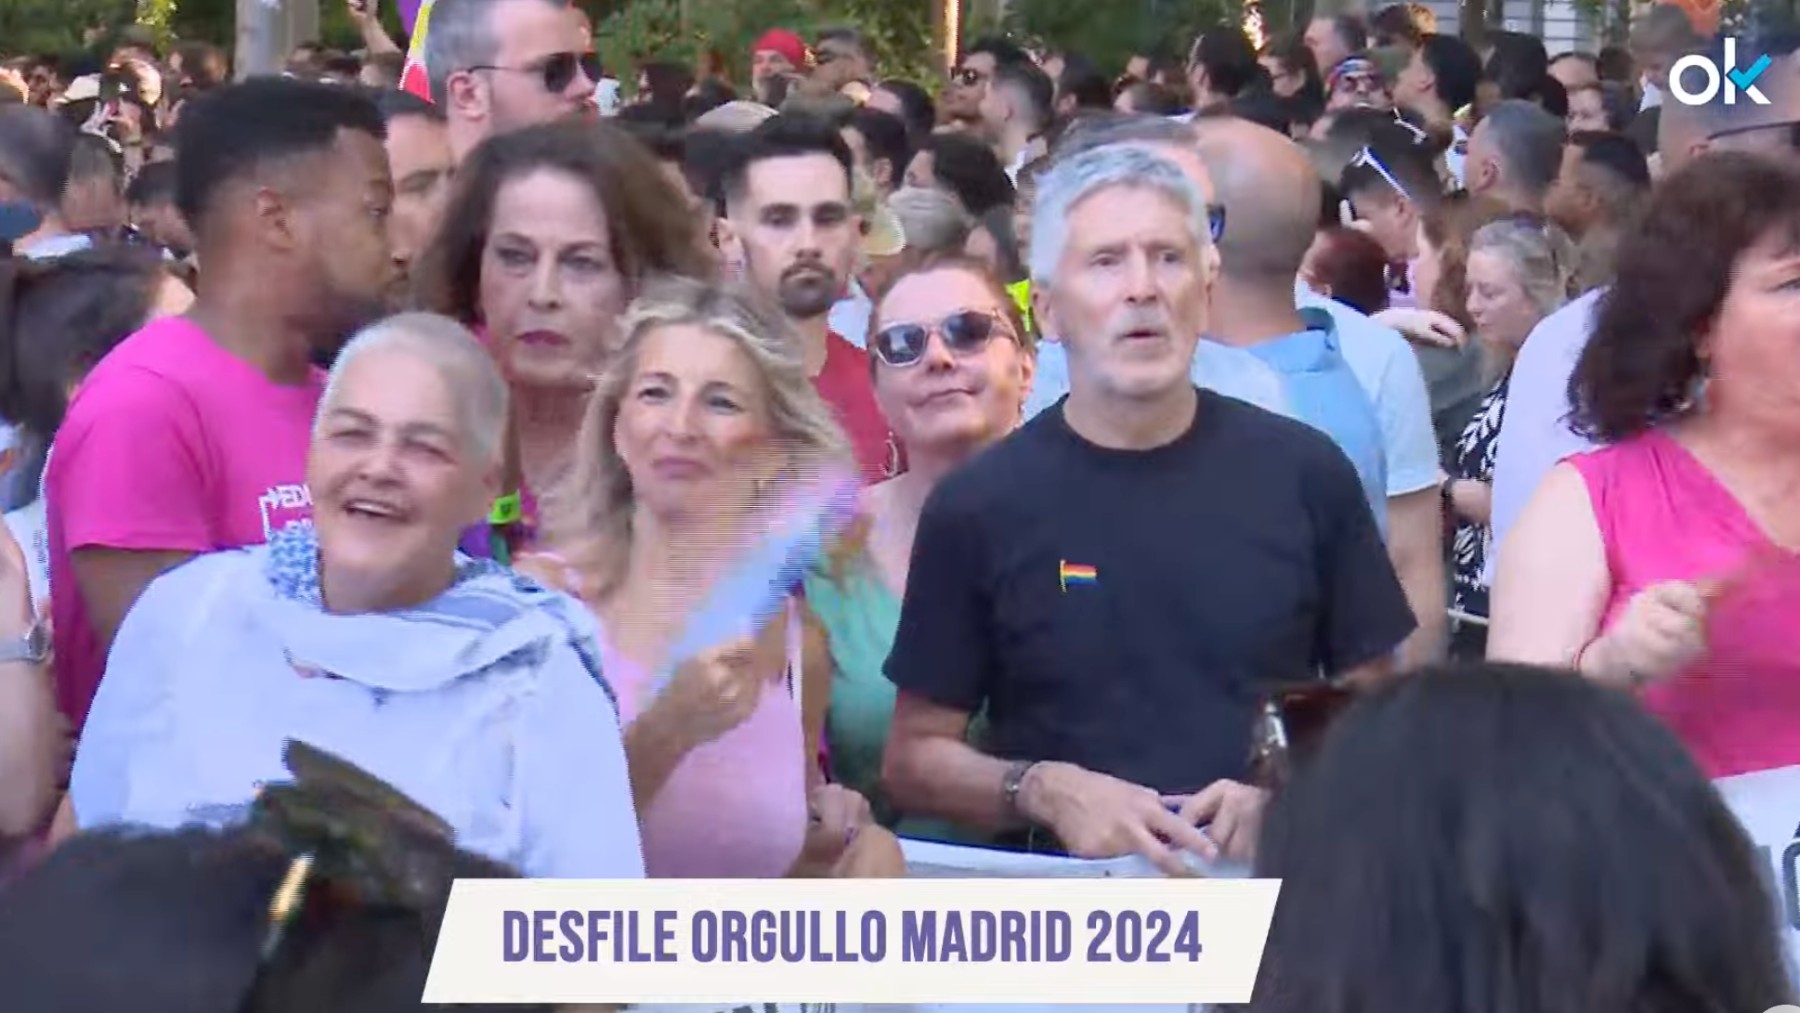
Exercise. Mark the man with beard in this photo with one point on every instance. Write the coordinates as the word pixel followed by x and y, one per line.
pixel 191 436
pixel 418 152
pixel 788 216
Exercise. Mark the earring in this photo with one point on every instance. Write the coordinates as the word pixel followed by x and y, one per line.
pixel 1698 388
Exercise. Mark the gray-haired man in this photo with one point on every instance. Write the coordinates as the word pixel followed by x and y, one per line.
pixel 498 65
pixel 1117 581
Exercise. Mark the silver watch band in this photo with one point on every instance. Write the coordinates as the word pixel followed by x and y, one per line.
pixel 34 646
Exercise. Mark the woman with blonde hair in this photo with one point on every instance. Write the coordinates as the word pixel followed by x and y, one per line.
pixel 1520 269
pixel 704 421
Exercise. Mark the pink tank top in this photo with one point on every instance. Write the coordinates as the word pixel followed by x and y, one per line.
pixel 737 806
pixel 1664 516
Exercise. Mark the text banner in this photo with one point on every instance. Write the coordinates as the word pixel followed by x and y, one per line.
pixel 1185 940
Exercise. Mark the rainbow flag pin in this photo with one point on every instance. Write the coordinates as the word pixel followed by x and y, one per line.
pixel 1076 573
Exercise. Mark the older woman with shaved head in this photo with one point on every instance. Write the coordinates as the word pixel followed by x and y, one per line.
pixel 470 689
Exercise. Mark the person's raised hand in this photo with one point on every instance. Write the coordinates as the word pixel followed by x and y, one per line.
pixel 1097 815
pixel 10 78
pixel 712 693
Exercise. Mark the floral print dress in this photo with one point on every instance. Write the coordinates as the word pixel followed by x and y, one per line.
pixel 1474 459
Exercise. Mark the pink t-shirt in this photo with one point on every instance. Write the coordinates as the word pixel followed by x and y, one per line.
pixel 171 444
pixel 1664 516
pixel 734 808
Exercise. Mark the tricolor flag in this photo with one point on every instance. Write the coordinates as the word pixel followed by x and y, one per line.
pixel 413 78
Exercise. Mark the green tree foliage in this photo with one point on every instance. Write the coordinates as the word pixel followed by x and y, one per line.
pixel 1109 33
pixel 57 26
pixel 899 31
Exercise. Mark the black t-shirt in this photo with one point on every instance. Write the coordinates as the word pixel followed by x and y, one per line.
pixel 1123 610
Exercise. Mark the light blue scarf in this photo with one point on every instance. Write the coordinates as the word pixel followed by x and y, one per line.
pixel 1322 390
pixel 489 616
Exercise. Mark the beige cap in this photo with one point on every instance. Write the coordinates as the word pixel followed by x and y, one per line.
pixel 883 235
pixel 736 117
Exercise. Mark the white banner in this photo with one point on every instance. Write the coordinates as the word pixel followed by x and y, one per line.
pixel 904 941
pixel 934 860
pixel 1767 803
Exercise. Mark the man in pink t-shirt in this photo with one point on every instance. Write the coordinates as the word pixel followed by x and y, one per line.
pixel 191 436
pixel 788 210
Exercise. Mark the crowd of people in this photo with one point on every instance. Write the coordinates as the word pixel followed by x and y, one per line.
pixel 1365 458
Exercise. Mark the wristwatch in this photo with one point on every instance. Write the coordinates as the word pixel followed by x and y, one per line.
pixel 33 647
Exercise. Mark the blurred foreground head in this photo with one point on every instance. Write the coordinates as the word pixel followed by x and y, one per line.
pixel 180 923
pixel 1496 838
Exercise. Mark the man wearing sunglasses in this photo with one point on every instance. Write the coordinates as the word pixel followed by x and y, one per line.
pixel 1114 581
pixel 498 65
pixel 961 101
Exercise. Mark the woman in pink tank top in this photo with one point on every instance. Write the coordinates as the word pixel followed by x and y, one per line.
pixel 705 412
pixel 1668 563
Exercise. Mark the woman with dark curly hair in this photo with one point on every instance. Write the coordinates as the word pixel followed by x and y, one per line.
pixel 1666 563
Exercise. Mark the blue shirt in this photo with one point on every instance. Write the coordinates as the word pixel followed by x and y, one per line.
pixel 1388 369
pixel 1322 390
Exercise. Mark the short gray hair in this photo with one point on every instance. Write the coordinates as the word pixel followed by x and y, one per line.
pixel 932 220
pixel 1099 130
pixel 460 34
pixel 1529 141
pixel 461 361
pixel 1072 179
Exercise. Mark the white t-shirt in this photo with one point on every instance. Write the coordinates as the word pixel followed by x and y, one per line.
pixel 1535 433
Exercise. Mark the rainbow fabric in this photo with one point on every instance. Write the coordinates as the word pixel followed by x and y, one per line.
pixel 413 78
pixel 1076 573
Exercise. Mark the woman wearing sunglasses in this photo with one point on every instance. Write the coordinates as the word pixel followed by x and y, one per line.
pixel 953 363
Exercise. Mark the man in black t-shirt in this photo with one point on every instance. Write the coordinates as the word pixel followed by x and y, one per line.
pixel 1118 581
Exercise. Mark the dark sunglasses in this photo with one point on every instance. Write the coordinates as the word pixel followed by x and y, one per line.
pixel 1215 221
pixel 557 71
pixel 1792 130
pixel 1356 83
pixel 964 333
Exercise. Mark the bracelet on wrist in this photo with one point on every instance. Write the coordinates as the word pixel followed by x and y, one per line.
pixel 1631 677
pixel 1012 783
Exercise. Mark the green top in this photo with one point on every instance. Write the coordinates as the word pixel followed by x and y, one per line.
pixel 860 614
